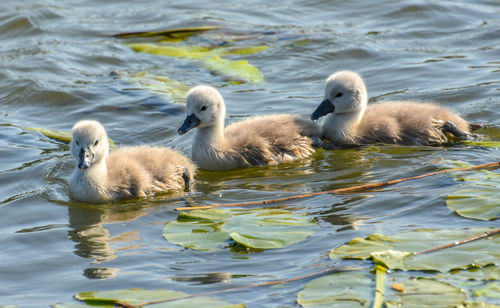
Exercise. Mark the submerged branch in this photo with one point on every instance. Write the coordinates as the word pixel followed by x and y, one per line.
pixel 341 190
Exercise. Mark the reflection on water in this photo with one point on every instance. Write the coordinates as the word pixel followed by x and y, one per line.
pixel 93 240
pixel 207 278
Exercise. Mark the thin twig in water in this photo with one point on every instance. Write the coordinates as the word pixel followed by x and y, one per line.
pixel 468 240
pixel 341 190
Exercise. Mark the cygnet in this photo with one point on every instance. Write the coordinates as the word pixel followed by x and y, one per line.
pixel 128 172
pixel 256 141
pixel 350 120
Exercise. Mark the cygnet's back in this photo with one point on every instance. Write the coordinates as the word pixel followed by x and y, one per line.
pixel 406 122
pixel 256 141
pixel 349 120
pixel 127 172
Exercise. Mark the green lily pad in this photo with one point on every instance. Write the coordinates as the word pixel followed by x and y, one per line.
pixel 344 289
pixel 479 198
pixel 140 296
pixel 356 289
pixel 64 136
pixel 215 229
pixel 423 292
pixel 399 251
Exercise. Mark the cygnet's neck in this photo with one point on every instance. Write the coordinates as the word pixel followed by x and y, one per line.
pixel 343 127
pixel 210 136
pixel 96 173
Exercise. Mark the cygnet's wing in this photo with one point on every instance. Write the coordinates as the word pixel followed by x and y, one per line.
pixel 269 139
pixel 407 122
pixel 141 171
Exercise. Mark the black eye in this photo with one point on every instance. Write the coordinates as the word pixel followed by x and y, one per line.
pixel 77 143
pixel 96 142
pixel 338 94
pixel 203 108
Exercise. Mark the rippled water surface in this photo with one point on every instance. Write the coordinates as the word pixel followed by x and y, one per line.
pixel 59 63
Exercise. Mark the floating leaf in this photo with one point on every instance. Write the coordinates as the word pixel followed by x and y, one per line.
pixel 140 296
pixel 482 143
pixel 235 70
pixel 61 135
pixel 193 51
pixel 54 134
pixel 355 289
pixel 239 70
pixel 239 50
pixel 344 289
pixel 179 33
pixel 398 251
pixel 422 292
pixel 214 229
pixel 479 198
pixel 175 90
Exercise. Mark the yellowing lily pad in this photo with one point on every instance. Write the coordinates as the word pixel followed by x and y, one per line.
pixel 234 70
pixel 175 90
pixel 215 229
pixel 191 52
pixel 483 143
pixel 64 136
pixel 237 70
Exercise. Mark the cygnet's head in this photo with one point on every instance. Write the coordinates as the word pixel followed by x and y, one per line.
pixel 89 144
pixel 345 92
pixel 205 107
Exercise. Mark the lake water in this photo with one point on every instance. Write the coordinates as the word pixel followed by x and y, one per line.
pixel 59 64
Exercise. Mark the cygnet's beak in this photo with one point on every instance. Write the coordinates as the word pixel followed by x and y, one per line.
pixel 190 122
pixel 85 158
pixel 323 109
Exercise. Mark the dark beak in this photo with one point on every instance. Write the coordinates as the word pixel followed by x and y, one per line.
pixel 190 122
pixel 323 109
pixel 85 158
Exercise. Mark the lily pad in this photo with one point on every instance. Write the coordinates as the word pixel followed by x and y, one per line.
pixel 399 251
pixel 239 70
pixel 190 52
pixel 64 136
pixel 215 229
pixel 344 289
pixel 423 292
pixel 479 198
pixel 355 289
pixel 140 296
pixel 175 90
pixel 483 143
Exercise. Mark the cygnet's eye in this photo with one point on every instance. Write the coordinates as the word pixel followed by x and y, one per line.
pixel 96 142
pixel 203 108
pixel 338 94
pixel 78 144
